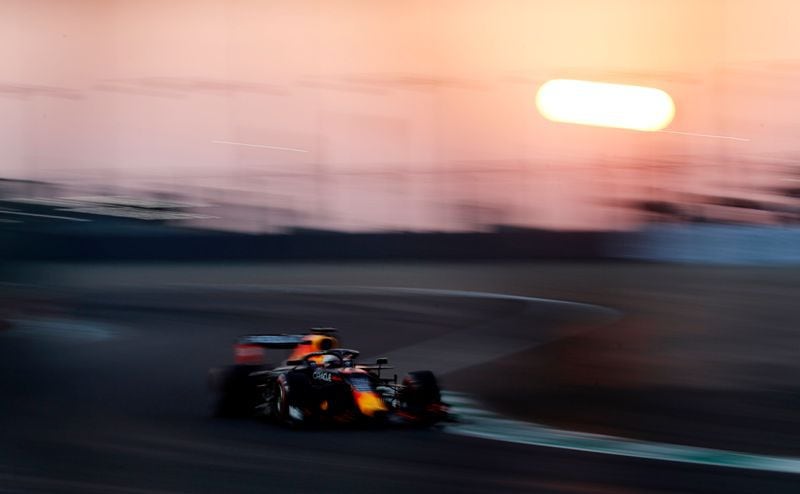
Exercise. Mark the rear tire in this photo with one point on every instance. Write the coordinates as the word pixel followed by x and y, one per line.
pixel 281 408
pixel 236 394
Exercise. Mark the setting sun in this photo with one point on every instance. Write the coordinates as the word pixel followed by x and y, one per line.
pixel 605 104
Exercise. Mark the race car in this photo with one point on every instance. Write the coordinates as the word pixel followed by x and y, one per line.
pixel 320 382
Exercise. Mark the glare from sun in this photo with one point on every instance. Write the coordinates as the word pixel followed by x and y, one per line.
pixel 605 104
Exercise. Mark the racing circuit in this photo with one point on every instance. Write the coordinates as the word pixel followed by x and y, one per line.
pixel 107 394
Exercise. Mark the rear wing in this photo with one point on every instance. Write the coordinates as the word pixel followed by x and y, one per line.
pixel 277 341
pixel 285 341
pixel 249 349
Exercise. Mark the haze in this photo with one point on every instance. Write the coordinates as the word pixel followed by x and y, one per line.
pixel 397 114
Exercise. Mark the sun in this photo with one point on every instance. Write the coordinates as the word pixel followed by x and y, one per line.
pixel 605 104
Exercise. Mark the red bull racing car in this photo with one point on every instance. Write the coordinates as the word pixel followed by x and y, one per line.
pixel 321 382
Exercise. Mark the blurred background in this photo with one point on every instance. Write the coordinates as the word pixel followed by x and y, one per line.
pixel 362 116
pixel 153 148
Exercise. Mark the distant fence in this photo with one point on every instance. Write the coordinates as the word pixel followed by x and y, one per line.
pixel 715 244
pixel 210 246
pixel 711 244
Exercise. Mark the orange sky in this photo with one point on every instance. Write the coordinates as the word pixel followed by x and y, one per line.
pixel 137 90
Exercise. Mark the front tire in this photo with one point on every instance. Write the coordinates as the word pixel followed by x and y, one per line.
pixel 288 395
pixel 421 398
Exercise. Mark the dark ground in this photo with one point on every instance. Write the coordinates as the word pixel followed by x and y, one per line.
pixel 703 356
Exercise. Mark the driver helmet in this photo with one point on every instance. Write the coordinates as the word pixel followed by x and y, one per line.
pixel 329 361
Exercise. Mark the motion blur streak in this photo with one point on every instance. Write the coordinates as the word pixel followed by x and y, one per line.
pixel 262 146
pixel 710 136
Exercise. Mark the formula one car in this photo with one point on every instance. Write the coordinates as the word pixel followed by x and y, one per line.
pixel 320 382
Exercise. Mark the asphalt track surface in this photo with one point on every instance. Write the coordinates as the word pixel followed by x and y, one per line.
pixel 108 395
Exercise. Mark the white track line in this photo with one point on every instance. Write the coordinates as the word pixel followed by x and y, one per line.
pixel 477 422
pixel 466 347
